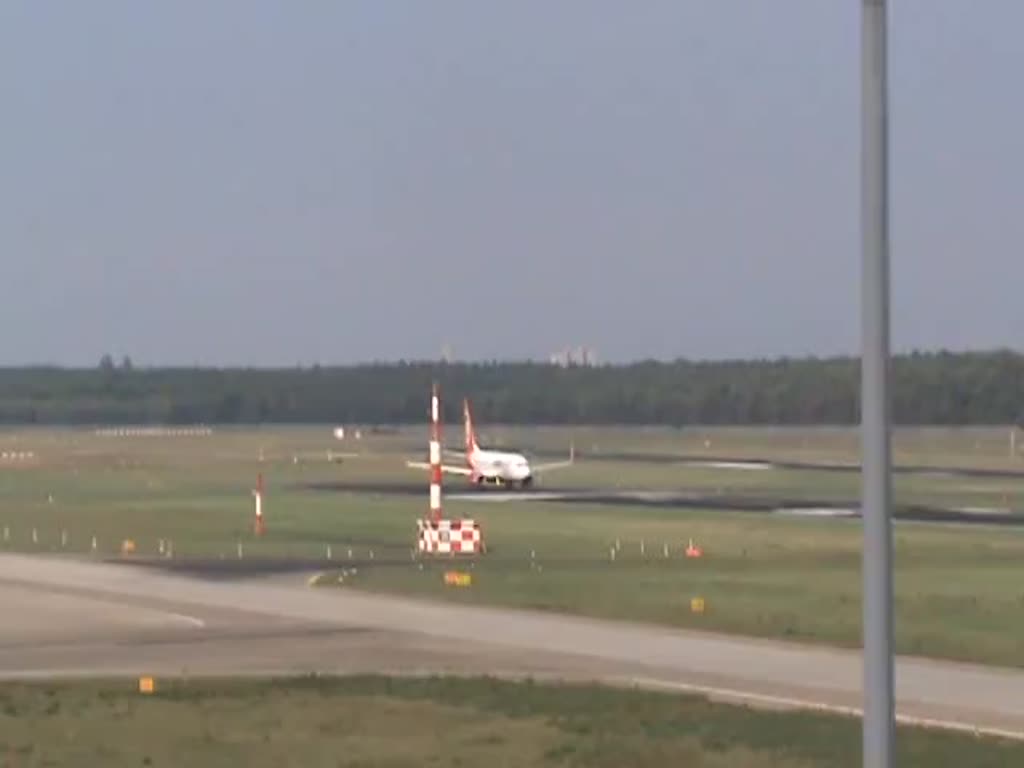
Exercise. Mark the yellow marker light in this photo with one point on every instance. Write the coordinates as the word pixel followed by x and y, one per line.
pixel 458 579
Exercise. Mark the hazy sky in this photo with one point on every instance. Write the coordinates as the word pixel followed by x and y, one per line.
pixel 288 182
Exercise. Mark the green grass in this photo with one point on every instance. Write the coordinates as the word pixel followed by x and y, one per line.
pixel 958 593
pixel 378 721
pixel 958 590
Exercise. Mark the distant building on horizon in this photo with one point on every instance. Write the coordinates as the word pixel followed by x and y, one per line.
pixel 574 356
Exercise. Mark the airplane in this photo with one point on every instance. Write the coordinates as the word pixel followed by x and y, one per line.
pixel 486 466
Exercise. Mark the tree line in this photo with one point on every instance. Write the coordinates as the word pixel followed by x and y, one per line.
pixel 940 388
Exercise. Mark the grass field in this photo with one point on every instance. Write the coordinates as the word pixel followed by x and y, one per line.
pixel 366 721
pixel 958 589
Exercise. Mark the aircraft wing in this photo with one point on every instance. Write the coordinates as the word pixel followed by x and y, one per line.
pixel 538 468
pixel 450 469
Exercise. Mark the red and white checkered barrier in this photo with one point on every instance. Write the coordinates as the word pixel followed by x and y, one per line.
pixel 449 537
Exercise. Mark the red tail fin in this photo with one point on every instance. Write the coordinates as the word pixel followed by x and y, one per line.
pixel 470 434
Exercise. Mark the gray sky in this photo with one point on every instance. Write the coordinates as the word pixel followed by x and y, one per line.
pixel 288 182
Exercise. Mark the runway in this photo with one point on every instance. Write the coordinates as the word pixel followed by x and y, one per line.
pixel 681 499
pixel 760 463
pixel 748 462
pixel 74 617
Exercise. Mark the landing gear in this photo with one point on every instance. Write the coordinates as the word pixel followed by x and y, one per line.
pixel 484 481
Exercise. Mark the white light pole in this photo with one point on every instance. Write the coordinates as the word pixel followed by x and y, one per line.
pixel 879 706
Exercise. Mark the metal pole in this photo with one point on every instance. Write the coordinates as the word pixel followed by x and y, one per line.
pixel 879 709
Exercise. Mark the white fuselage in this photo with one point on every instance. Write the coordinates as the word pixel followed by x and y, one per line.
pixel 482 466
pixel 499 467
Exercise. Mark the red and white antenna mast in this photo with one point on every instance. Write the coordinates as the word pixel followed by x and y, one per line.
pixel 436 534
pixel 435 455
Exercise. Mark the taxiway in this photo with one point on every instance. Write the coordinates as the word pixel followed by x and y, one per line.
pixel 68 617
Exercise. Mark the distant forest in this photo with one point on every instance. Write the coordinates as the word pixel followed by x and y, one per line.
pixel 940 388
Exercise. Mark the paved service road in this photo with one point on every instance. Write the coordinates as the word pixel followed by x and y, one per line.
pixel 74 617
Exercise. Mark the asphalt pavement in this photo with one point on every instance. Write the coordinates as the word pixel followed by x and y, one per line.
pixel 72 617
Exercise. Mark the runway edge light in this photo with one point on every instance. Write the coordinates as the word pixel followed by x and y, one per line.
pixel 146 685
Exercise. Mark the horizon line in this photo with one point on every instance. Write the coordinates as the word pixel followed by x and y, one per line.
pixel 117 363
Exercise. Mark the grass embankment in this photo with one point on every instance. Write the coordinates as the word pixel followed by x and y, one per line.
pixel 958 592
pixel 440 722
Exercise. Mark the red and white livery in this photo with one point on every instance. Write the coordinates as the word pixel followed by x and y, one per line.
pixel 436 535
pixel 486 466
pixel 449 537
pixel 435 455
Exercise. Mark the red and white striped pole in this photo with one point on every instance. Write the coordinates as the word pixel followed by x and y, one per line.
pixel 435 455
pixel 258 493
